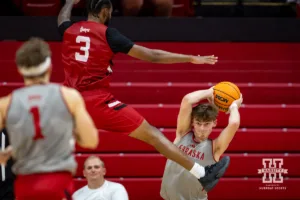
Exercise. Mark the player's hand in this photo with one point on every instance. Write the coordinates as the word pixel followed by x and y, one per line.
pixel 204 59
pixel 238 102
pixel 5 155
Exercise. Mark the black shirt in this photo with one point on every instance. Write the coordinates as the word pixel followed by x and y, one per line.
pixel 116 41
pixel 6 185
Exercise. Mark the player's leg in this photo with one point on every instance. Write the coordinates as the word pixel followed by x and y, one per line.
pixel 113 115
pixel 155 138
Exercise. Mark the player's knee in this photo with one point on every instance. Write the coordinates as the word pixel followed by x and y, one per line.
pixel 155 137
pixel 147 133
pixel 131 7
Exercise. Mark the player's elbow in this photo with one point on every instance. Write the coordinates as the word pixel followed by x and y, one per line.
pixel 187 100
pixel 93 144
pixel 94 140
pixel 234 124
pixel 90 140
pixel 157 56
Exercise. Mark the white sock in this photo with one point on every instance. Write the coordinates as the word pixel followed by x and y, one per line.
pixel 198 171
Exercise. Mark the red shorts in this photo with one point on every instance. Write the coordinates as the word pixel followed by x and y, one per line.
pixel 110 114
pixel 47 186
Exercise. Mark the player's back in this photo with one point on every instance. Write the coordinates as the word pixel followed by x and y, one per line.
pixel 40 129
pixel 86 56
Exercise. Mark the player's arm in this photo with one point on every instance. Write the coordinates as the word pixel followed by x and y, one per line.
pixel 2 108
pixel 120 43
pixel 222 142
pixel 85 131
pixel 5 155
pixel 64 16
pixel 4 103
pixel 186 107
pixel 65 12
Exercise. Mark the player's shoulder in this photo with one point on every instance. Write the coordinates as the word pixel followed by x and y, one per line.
pixel 72 98
pixel 70 26
pixel 112 31
pixel 70 92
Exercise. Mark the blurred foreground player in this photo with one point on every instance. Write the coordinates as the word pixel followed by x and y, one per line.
pixel 87 50
pixel 40 119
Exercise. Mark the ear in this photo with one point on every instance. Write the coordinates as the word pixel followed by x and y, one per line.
pixel 104 171
pixel 84 173
pixel 49 70
pixel 106 12
pixel 215 123
pixel 19 72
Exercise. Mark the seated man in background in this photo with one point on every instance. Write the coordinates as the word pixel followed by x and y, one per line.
pixel 97 187
pixel 161 8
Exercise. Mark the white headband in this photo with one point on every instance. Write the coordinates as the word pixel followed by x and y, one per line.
pixel 36 70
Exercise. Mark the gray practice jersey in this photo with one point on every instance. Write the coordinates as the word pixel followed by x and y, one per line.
pixel 178 183
pixel 40 129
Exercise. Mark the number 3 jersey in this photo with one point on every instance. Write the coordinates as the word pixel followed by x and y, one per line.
pixel 87 52
pixel 40 129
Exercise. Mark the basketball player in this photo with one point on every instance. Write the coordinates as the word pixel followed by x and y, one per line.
pixel 87 50
pixel 40 119
pixel 194 126
pixel 97 187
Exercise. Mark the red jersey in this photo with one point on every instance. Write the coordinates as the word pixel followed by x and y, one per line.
pixel 88 48
pixel 86 56
pixel 87 52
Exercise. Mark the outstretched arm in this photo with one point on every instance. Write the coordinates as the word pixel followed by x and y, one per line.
pixel 164 57
pixel 120 43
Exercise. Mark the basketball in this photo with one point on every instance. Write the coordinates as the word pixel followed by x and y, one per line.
pixel 224 94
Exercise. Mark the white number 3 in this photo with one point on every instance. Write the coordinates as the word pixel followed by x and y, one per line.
pixel 85 48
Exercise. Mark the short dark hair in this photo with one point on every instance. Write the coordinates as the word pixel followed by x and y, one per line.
pixel 95 6
pixel 93 157
pixel 32 53
pixel 205 112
